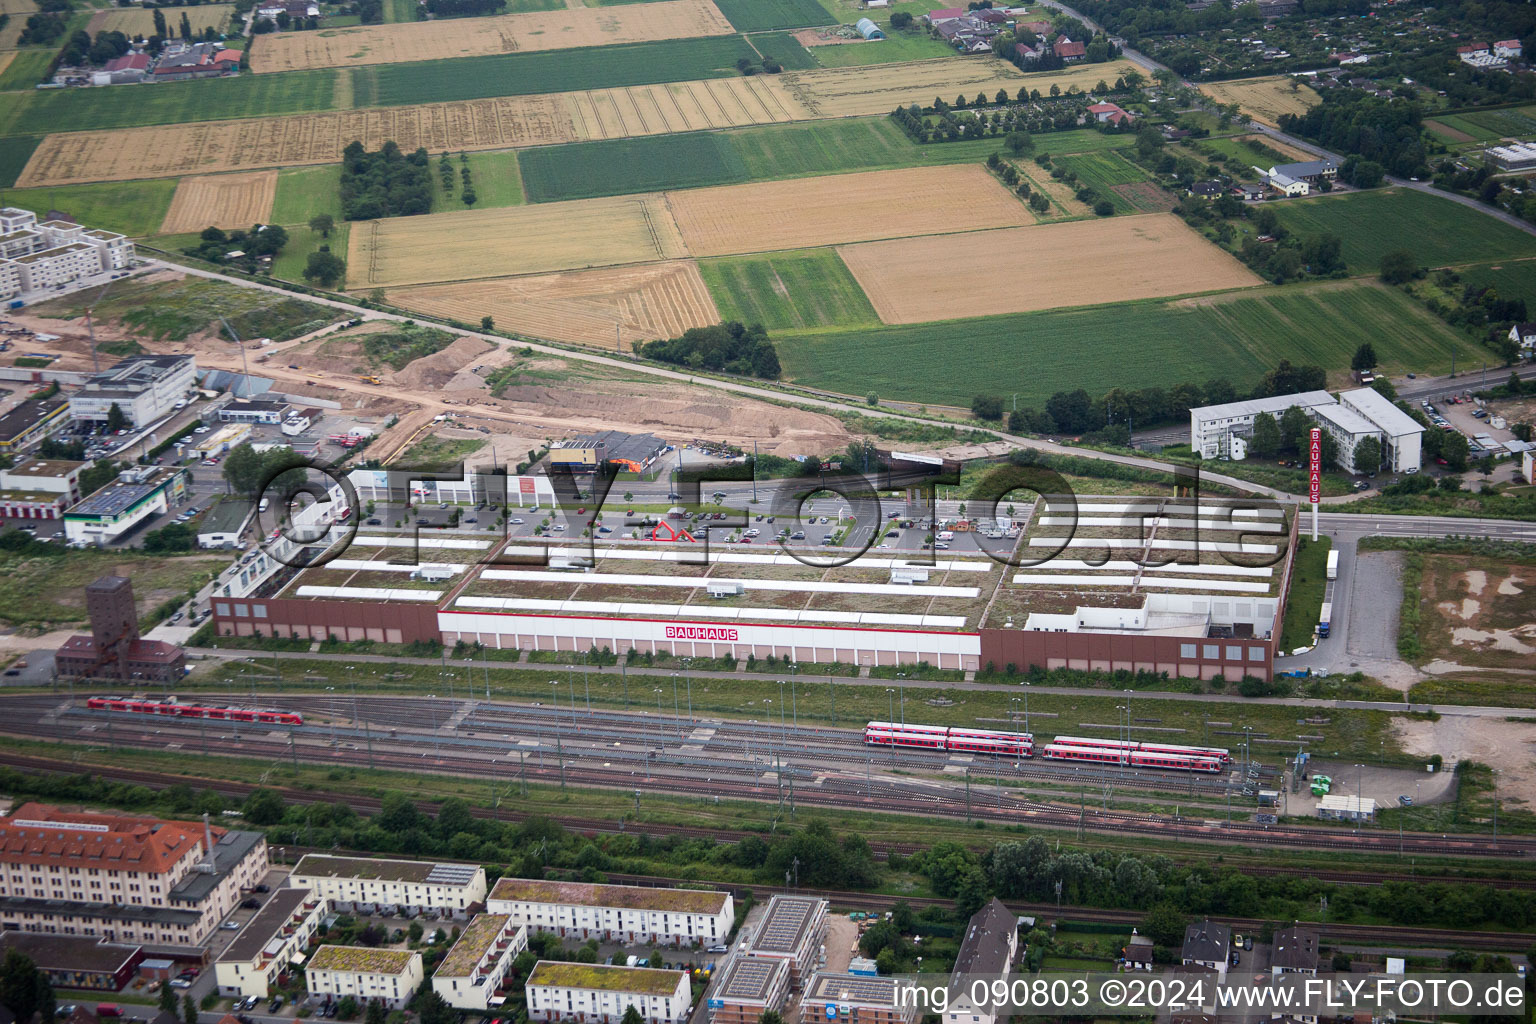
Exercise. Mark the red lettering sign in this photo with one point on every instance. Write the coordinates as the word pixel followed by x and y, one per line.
pixel 525 485
pixel 1316 474
pixel 701 633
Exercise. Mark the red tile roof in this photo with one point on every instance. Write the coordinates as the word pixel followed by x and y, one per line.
pixel 1065 50
pixel 128 843
pixel 129 62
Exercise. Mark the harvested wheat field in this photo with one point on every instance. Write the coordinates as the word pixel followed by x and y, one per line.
pixel 468 245
pixel 803 213
pixel 508 122
pixel 221 201
pixel 1078 263
pixel 18 10
pixel 140 21
pixel 655 300
pixel 476 37
pixel 880 88
pixel 1264 99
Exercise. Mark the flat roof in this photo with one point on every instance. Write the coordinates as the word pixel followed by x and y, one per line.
pixel 1382 411
pixel 45 467
pixel 750 979
pixel 325 866
pixel 28 414
pixel 786 925
pixel 1345 418
pixel 225 516
pixel 361 959
pixel 118 497
pixel 1254 406
pixel 476 939
pixel 605 978
pixel 591 894
pixel 135 372
pixel 228 853
pixel 99 911
pixel 859 989
pixel 265 924
pixel 71 952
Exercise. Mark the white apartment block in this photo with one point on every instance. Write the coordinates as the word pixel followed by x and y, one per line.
pixel 624 913
pixel 273 941
pixel 403 884
pixel 476 968
pixel 600 994
pixel 122 878
pixel 1218 431
pixel 1402 435
pixel 144 388
pixel 48 255
pixel 391 976
pixel 1347 428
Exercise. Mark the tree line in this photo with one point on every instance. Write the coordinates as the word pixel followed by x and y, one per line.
pixel 727 347
pixel 387 183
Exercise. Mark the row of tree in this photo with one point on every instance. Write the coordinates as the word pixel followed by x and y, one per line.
pixel 387 183
pixel 727 347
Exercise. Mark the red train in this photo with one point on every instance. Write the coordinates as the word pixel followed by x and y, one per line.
pixel 176 709
pixel 1219 753
pixel 938 737
pixel 1123 757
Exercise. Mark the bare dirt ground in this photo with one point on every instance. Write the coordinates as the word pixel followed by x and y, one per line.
pixel 1479 612
pixel 1507 746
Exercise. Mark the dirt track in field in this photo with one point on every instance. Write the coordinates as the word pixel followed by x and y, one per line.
pixel 477 37
pixel 221 201
pixel 655 300
pixel 1077 263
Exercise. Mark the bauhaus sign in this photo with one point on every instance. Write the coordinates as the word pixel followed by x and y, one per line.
pixel 701 633
pixel 1317 464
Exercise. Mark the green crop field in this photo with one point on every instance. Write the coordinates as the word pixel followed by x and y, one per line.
pixel 617 166
pixel 898 45
pixel 1164 343
pixel 496 178
pixel 1437 231
pixel 14 154
pixel 27 68
pixel 1103 170
pixel 757 15
pixel 1458 123
pixel 305 192
pixel 510 74
pixel 247 95
pixel 784 48
pixel 1513 279
pixel 134 208
pixel 1514 121
pixel 788 290
pixel 1241 151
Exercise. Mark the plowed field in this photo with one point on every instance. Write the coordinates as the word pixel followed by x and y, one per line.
pixel 221 201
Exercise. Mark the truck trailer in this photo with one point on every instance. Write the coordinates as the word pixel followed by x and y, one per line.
pixel 1333 565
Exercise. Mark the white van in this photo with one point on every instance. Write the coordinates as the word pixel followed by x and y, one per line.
pixel 946 535
pixel 263 506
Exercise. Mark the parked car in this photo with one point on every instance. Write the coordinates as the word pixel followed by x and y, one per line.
pixel 250 903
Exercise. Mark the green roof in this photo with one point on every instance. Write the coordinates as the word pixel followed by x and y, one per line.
pixel 361 958
pixel 643 980
pixel 477 938
pixel 633 897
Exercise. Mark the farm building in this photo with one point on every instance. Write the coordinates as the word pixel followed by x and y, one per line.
pixel 1519 156
pixel 868 29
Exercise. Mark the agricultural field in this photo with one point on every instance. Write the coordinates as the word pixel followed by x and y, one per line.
pixel 1438 231
pixel 498 182
pixel 14 154
pixel 305 192
pixel 505 123
pixel 787 291
pixel 1116 177
pixel 139 21
pixel 1454 131
pixel 591 307
pixel 616 167
pixel 470 244
pixel 566 28
pixel 19 10
pixel 879 89
pixel 803 213
pixel 134 208
pixel 917 280
pixel 760 15
pixel 1235 146
pixel 290 263
pixel 1134 344
pixel 1487 125
pixel 40 112
pixel 1514 279
pixel 221 201
pixel 785 48
pixel 1264 99
pixel 22 69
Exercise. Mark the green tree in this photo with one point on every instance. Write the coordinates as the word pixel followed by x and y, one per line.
pixel 434 1009
pixel 1294 425
pixel 1454 450
pixel 413 931
pixel 324 267
pixel 1164 925
pixel 1265 443
pixel 632 1015
pixel 1367 455
pixel 768 1017
pixel 264 807
pixel 188 1010
pixel 487 323
pixel 656 958
pixel 375 1014
pixel 1399 266
pixel 18 984
pixel 1364 357
pixel 346 1008
pixel 322 224
pixel 1019 143
pixel 167 997
pixel 115 419
pixel 987 407
pixel 1485 465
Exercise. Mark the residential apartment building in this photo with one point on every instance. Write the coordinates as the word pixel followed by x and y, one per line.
pixel 1295 951
pixel 1208 945
pixel 1402 436
pixel 793 928
pixel 854 999
pixel 145 389
pixel 37 257
pixel 746 988
pixel 1347 428
pixel 1222 431
pixel 352 883
pixel 39 489
pixel 630 914
pixel 391 976
pixel 990 946
pixel 272 942
pixel 599 994
pixel 473 974
pixel 122 878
